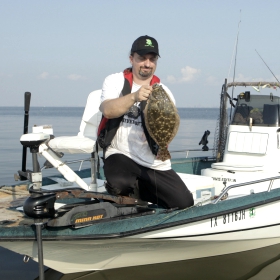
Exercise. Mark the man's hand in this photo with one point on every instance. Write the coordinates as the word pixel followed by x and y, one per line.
pixel 142 93
pixel 114 108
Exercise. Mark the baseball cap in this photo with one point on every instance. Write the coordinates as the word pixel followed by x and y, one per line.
pixel 145 44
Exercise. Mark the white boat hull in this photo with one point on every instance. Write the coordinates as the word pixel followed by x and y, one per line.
pixel 225 234
pixel 88 255
pixel 251 223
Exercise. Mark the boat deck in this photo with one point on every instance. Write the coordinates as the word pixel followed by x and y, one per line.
pixel 12 197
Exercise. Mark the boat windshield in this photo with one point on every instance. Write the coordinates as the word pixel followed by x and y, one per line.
pixel 263 110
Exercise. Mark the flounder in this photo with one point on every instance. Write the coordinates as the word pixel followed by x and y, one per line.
pixel 161 119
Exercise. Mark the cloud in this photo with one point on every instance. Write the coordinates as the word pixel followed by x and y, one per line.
pixel 241 78
pixel 171 79
pixel 188 75
pixel 43 76
pixel 76 77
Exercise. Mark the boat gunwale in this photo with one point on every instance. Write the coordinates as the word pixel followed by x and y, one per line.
pixel 151 228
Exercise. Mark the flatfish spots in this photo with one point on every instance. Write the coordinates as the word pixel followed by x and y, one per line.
pixel 161 119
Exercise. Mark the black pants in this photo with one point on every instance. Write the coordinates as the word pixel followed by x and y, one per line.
pixel 164 188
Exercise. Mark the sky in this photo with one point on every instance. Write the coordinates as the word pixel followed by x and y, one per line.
pixel 62 50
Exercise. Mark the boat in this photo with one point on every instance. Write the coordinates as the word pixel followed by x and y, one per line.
pixel 72 225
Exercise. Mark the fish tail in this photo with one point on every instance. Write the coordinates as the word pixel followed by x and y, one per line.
pixel 163 154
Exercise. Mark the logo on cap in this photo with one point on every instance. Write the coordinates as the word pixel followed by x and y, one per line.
pixel 149 43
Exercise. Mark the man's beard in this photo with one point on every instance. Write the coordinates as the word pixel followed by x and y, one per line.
pixel 146 74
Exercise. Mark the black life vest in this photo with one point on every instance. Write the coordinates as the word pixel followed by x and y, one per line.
pixel 108 127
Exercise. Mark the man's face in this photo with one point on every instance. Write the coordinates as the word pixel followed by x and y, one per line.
pixel 143 66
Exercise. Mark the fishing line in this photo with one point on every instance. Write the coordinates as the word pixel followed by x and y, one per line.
pixel 267 66
pixel 156 187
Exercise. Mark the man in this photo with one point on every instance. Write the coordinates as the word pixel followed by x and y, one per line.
pixel 130 159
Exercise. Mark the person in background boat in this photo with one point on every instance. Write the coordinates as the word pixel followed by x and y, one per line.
pixel 130 162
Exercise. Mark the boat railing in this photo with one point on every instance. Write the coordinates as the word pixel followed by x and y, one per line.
pixel 68 162
pixel 190 150
pixel 226 189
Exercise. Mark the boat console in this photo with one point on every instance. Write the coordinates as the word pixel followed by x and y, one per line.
pixel 252 144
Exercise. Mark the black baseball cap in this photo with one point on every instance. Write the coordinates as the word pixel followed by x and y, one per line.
pixel 145 44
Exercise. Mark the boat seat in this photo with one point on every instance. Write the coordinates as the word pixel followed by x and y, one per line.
pixel 85 141
pixel 72 144
pixel 236 167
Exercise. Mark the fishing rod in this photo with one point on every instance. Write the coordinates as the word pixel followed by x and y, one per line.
pixel 235 49
pixel 267 67
pixel 235 59
pixel 236 45
pixel 221 129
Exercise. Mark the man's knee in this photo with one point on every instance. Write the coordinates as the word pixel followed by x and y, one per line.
pixel 186 200
pixel 119 187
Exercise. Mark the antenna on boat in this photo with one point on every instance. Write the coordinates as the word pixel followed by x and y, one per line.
pixel 267 66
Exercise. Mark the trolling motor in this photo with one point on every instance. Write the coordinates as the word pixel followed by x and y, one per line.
pixel 204 140
pixel 37 206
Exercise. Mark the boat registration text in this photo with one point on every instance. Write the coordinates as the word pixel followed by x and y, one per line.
pixel 232 217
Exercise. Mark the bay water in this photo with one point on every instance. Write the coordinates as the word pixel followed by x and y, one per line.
pixel 66 121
